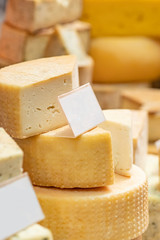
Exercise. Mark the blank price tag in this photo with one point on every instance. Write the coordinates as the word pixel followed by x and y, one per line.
pixel 82 111
pixel 19 207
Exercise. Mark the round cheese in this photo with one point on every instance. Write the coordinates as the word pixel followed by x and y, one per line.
pixel 119 211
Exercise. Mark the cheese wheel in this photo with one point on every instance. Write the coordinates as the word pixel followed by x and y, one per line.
pixel 82 162
pixel 125 59
pixel 119 211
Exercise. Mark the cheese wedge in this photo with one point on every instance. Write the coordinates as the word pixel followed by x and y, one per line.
pixel 140 137
pixel 119 123
pixel 119 211
pixel 29 91
pixel 149 100
pixel 125 59
pixel 82 162
pixel 33 15
pixel 123 18
pixel 18 45
pixel 34 232
pixel 85 68
pixel 11 157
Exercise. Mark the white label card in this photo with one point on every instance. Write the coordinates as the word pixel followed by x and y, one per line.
pixel 19 207
pixel 82 111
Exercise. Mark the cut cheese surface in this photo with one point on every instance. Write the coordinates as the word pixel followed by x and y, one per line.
pixel 115 212
pixel 119 123
pixel 82 162
pixel 32 88
pixel 34 232
pixel 85 68
pixel 123 18
pixel 11 157
pixel 125 59
pixel 33 15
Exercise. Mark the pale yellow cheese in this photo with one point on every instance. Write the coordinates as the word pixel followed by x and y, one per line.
pixel 11 157
pixel 29 91
pixel 85 68
pixel 18 45
pixel 33 15
pixel 152 149
pixel 140 137
pixel 82 162
pixel 119 123
pixel 34 232
pixel 125 59
pixel 146 99
pixel 119 211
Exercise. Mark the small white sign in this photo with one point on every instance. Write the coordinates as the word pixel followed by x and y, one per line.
pixel 82 111
pixel 19 207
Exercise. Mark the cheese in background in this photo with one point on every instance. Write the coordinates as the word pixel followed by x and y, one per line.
pixel 81 162
pixel 140 137
pixel 4 62
pixel 138 238
pixel 18 45
pixel 119 211
pixel 152 149
pixel 123 18
pixel 29 91
pixel 33 15
pixel 34 232
pixel 125 59
pixel 119 124
pixel 145 99
pixel 11 157
pixel 85 68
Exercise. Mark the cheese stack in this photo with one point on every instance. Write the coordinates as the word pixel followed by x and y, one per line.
pixel 37 29
pixel 87 186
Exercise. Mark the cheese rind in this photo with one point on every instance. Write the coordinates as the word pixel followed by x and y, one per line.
pixel 119 123
pixel 82 162
pixel 11 157
pixel 119 211
pixel 34 232
pixel 34 15
pixel 32 88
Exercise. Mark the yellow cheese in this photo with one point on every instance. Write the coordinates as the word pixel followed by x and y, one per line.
pixel 11 157
pixel 119 211
pixel 85 68
pixel 149 100
pixel 33 15
pixel 119 123
pixel 18 45
pixel 4 62
pixel 138 238
pixel 140 137
pixel 121 17
pixel 152 149
pixel 125 59
pixel 29 91
pixel 34 232
pixel 82 162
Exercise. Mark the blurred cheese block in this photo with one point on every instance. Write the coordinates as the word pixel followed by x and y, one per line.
pixel 18 45
pixel 34 232
pixel 29 91
pixel 11 157
pixel 4 62
pixel 85 68
pixel 140 137
pixel 82 162
pixel 139 238
pixel 152 149
pixel 109 95
pixel 119 123
pixel 146 99
pixel 152 165
pixel 33 15
pixel 125 59
pixel 119 211
pixel 121 18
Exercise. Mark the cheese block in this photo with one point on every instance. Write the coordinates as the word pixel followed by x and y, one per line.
pixel 4 62
pixel 119 123
pixel 125 59
pixel 29 91
pixel 152 149
pixel 152 165
pixel 34 232
pixel 139 238
pixel 11 157
pixel 82 162
pixel 123 18
pixel 33 15
pixel 85 68
pixel 18 45
pixel 119 211
pixel 146 99
pixel 140 137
